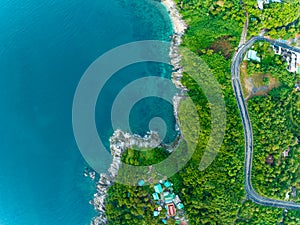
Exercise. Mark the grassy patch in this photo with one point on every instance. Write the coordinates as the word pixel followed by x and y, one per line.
pixel 144 157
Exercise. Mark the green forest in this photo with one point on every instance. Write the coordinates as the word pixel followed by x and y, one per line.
pixel 216 195
pixel 132 204
pixel 275 125
pixel 279 20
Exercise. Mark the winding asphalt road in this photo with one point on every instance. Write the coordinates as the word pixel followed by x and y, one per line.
pixel 235 71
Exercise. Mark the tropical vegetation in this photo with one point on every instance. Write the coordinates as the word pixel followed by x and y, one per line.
pixel 216 195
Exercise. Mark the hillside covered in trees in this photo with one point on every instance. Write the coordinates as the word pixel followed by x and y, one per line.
pixel 276 129
pixel 216 195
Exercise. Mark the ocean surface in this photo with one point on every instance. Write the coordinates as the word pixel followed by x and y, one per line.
pixel 45 47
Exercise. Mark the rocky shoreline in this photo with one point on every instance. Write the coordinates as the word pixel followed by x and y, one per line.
pixel 179 27
pixel 120 140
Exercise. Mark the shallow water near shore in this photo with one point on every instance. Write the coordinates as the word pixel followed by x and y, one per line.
pixel 44 50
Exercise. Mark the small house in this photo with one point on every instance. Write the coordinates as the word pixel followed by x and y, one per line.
pixel 252 55
pixel 168 184
pixel 169 198
pixel 141 183
pixel 155 196
pixel 158 188
pixel 166 193
pixel 262 2
pixel 180 206
pixel 286 152
pixel 171 209
pixel 177 199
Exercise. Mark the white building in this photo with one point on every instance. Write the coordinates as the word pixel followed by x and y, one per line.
pixel 262 2
pixel 294 62
pixel 252 55
pixel 291 57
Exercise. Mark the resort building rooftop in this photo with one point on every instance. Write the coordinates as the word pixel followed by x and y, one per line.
pixel 158 188
pixel 155 196
pixel 252 55
pixel 171 209
pixel 167 184
pixel 141 182
pixel 165 197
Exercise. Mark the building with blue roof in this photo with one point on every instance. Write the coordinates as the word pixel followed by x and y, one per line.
pixel 165 197
pixel 180 206
pixel 252 55
pixel 169 198
pixel 155 196
pixel 141 182
pixel 262 2
pixel 158 188
pixel 168 184
pixel 166 193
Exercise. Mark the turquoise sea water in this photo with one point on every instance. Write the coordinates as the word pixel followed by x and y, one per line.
pixel 45 47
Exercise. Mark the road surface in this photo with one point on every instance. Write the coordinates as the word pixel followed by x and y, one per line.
pixel 235 71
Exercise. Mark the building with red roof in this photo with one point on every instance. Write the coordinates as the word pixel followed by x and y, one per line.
pixel 171 209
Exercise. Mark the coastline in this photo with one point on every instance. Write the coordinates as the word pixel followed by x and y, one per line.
pixel 179 27
pixel 120 140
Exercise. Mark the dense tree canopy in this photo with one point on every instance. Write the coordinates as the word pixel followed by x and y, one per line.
pixel 216 195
